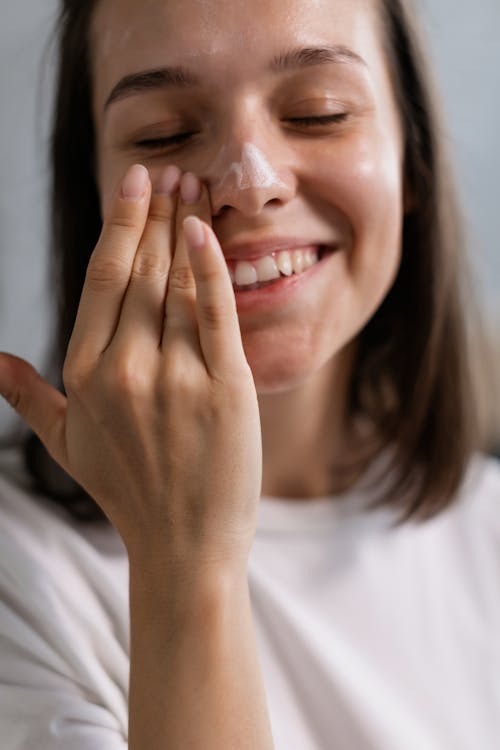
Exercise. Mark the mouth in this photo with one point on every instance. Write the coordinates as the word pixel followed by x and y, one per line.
pixel 286 293
pixel 276 268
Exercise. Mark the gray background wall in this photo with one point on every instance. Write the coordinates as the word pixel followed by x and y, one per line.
pixel 464 45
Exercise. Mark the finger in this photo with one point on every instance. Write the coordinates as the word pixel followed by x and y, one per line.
pixel 38 403
pixel 180 308
pixel 218 324
pixel 143 310
pixel 110 265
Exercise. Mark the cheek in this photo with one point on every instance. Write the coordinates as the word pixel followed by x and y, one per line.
pixel 362 178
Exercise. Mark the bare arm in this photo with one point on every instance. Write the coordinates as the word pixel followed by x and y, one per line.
pixel 195 679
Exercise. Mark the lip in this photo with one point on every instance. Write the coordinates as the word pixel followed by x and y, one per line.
pixel 253 250
pixel 284 290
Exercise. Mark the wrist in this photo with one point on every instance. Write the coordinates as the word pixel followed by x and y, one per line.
pixel 167 583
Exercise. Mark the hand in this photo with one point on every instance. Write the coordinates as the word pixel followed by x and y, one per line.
pixel 160 424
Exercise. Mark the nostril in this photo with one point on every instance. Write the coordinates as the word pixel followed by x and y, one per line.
pixel 217 214
pixel 274 202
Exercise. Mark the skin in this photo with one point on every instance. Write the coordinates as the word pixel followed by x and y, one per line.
pixel 339 181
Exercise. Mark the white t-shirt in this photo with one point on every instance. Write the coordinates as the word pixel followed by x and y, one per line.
pixel 370 637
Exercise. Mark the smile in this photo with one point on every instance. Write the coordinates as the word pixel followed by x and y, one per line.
pixel 267 270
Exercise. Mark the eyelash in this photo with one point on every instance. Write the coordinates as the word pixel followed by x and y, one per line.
pixel 159 143
pixel 320 120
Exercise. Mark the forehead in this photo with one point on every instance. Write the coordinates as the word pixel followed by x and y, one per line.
pixel 221 37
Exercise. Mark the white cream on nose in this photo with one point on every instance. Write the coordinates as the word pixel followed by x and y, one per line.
pixel 253 171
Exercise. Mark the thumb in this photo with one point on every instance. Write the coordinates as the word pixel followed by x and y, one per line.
pixel 38 403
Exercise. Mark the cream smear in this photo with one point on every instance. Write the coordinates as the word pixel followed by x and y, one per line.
pixel 254 170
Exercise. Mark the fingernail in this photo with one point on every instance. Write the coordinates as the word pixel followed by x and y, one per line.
pixel 169 181
pixel 193 232
pixel 190 188
pixel 135 182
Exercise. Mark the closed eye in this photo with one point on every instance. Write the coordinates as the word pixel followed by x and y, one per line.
pixel 158 143
pixel 179 138
pixel 320 120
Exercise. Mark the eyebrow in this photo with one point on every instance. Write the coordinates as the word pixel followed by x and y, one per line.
pixel 182 78
pixel 306 57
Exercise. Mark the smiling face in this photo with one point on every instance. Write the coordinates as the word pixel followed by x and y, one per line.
pixel 286 111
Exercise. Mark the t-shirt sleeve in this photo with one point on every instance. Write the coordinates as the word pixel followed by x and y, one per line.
pixel 64 658
pixel 40 707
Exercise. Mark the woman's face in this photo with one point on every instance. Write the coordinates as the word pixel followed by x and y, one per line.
pixel 240 115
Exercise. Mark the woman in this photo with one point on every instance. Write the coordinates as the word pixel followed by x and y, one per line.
pixel 267 394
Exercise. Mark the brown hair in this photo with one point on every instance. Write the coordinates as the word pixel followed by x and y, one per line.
pixel 412 379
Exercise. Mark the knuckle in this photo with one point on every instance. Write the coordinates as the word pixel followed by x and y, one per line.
pixel 181 279
pixel 74 379
pixel 179 377
pixel 209 276
pixel 14 397
pixel 159 214
pixel 241 374
pixel 103 273
pixel 173 375
pixel 150 265
pixel 213 314
pixel 119 222
pixel 127 377
pixel 234 381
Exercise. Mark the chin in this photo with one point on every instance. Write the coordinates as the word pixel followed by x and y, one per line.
pixel 287 367
pixel 277 371
pixel 269 384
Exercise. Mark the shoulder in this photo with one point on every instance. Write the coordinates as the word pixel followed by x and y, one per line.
pixel 473 520
pixel 480 490
pixel 63 619
pixel 43 553
pixel 40 544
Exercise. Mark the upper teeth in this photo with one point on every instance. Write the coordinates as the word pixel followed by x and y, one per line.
pixel 269 266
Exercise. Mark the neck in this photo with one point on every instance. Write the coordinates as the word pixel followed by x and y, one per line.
pixel 305 430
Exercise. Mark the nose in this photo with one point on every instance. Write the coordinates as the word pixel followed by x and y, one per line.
pixel 248 176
